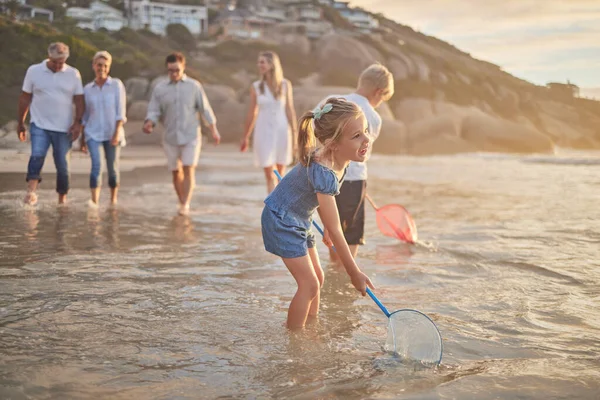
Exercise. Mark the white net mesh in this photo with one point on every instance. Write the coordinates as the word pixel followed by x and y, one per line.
pixel 414 337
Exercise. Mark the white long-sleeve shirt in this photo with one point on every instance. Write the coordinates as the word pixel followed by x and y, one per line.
pixel 177 105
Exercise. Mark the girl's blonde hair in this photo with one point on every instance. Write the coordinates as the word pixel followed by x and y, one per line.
pixel 326 127
pixel 273 76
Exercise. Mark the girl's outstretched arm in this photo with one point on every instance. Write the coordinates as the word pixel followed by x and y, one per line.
pixel 331 219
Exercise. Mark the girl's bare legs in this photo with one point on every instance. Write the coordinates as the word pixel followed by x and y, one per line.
pixel 270 178
pixel 316 264
pixel 303 272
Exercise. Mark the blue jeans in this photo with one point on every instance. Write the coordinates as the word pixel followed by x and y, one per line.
pixel 111 153
pixel 41 139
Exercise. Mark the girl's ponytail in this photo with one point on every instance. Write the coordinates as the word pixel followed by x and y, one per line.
pixel 306 138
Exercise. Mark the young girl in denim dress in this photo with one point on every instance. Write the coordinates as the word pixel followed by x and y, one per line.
pixel 340 129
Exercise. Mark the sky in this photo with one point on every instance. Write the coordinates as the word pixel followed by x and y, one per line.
pixel 538 40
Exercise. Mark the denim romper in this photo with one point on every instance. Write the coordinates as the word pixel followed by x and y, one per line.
pixel 288 210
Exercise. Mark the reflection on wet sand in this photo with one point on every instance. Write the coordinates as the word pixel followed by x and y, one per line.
pixel 137 302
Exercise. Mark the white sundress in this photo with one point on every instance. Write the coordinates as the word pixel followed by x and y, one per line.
pixel 272 141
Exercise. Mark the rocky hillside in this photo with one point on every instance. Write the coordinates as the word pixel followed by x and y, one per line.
pixel 445 102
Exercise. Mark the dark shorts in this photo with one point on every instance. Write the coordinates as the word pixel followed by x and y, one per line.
pixel 351 206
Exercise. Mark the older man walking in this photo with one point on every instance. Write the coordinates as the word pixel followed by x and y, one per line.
pixel 177 102
pixel 49 90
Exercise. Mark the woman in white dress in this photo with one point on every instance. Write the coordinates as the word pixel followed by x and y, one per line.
pixel 272 117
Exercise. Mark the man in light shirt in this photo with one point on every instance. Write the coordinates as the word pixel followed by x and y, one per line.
pixel 49 90
pixel 375 85
pixel 176 103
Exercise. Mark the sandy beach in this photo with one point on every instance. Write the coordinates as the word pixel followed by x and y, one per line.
pixel 13 165
pixel 138 302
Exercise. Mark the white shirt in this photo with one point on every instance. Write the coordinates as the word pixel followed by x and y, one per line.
pixel 104 106
pixel 52 101
pixel 357 171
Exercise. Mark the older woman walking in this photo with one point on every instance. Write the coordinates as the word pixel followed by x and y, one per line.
pixel 103 125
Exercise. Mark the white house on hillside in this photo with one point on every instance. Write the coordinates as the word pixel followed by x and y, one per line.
pixel 308 17
pixel 157 16
pixel 361 19
pixel 25 11
pixel 98 16
pixel 272 13
pixel 240 24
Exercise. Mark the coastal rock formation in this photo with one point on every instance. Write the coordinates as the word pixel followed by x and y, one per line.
pixel 492 134
pixel 135 135
pixel 393 138
pixel 230 112
pixel 445 101
pixel 341 54
pixel 136 89
pixel 137 111
pixel 307 97
pixel 9 138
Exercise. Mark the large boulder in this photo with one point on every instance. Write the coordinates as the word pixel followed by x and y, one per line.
pixel 413 109
pixel 244 78
pixel 493 134
pixel 398 68
pixel 336 53
pixel 423 70
pixel 392 139
pixel 230 120
pixel 300 43
pixel 10 140
pixel 438 125
pixel 155 81
pixel 409 65
pixel 385 111
pixel 566 134
pixel 569 126
pixel 135 135
pixel 218 94
pixel 137 111
pixel 10 126
pixel 230 113
pixel 307 98
pixel 442 144
pixel 136 89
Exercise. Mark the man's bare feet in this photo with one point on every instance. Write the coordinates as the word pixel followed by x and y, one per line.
pixel 62 199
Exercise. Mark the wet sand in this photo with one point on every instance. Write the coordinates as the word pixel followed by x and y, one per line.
pixel 137 302
pixel 138 165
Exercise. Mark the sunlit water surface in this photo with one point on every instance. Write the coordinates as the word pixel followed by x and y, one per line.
pixel 139 303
